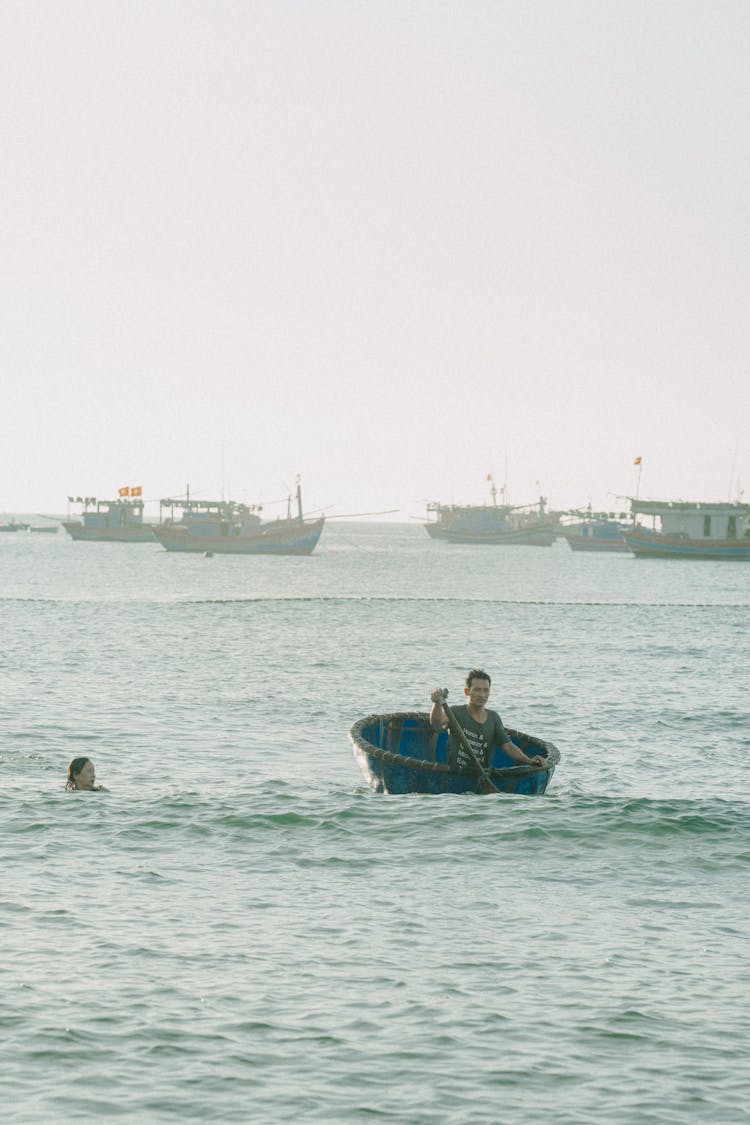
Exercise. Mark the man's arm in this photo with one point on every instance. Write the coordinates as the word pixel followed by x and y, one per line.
pixel 517 755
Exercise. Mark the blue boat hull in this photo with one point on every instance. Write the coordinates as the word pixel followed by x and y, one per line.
pixel 401 753
pixel 655 545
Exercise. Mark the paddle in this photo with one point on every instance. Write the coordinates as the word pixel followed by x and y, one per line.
pixel 458 731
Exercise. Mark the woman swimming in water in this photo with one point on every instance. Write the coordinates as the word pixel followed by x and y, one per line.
pixel 82 775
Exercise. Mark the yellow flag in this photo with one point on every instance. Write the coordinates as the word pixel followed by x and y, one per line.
pixel 637 461
pixel 123 491
pixel 136 491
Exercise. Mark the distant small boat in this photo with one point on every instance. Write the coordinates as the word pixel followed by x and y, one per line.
pixel 690 530
pixel 597 531
pixel 402 753
pixel 228 528
pixel 16 525
pixel 493 524
pixel 109 521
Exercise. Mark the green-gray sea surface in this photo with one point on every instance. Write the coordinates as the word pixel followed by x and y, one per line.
pixel 242 931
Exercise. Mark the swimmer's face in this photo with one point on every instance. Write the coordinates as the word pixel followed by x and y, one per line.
pixel 85 777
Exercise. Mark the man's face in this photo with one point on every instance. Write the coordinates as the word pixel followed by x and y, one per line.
pixel 478 693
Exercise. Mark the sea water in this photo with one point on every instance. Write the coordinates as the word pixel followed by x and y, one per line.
pixel 241 931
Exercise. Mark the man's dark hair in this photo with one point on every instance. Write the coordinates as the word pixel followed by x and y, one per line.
pixel 477 674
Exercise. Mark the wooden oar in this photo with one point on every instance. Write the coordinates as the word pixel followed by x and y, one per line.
pixel 458 731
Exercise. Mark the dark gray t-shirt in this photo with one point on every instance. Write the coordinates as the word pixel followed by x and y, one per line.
pixel 482 737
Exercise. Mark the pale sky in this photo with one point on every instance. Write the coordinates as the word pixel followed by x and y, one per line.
pixel 390 245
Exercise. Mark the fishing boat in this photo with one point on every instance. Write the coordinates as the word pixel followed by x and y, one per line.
pixel 13 525
pixel 229 528
pixel 109 521
pixel 597 531
pixel 402 753
pixel 525 524
pixel 690 530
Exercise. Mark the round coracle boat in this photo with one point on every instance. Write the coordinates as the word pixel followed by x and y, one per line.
pixel 402 753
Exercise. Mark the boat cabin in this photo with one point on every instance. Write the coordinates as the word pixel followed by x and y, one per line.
pixel 696 521
pixel 587 524
pixel 103 515
pixel 211 518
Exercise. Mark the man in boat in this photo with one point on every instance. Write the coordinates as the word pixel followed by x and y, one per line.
pixel 483 728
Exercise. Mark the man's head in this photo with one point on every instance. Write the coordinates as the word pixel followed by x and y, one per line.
pixel 477 674
pixel 477 688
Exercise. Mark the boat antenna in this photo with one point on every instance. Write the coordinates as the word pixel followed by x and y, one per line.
pixel 731 471
pixel 638 461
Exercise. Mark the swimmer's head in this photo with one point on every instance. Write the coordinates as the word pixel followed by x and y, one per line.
pixel 81 774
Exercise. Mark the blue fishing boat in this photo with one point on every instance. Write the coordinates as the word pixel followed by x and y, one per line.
pixel 109 521
pixel 690 530
pixel 597 531
pixel 402 753
pixel 229 528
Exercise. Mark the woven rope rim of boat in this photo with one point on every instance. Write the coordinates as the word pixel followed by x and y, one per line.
pixel 355 734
